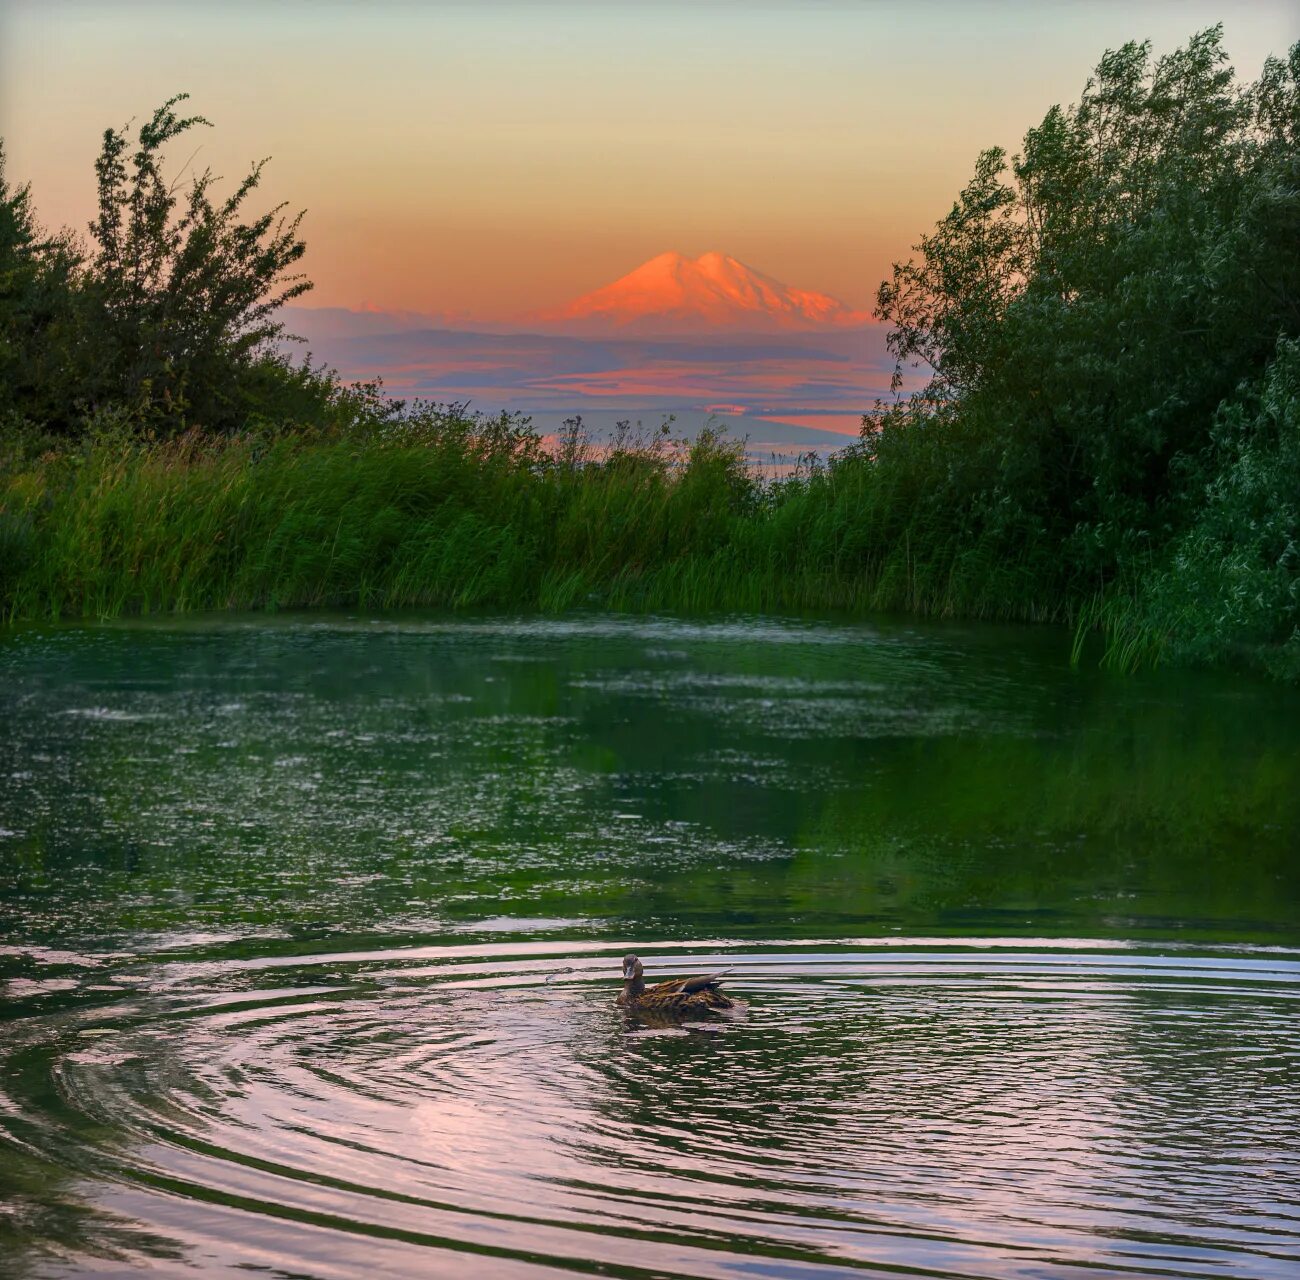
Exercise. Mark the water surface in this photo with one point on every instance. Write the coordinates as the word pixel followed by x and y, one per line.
pixel 311 929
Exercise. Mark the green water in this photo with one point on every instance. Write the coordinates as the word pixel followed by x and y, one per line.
pixel 310 930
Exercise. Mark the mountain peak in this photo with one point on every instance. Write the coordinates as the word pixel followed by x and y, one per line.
pixel 673 293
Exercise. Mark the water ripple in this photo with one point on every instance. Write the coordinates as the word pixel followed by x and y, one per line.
pixel 983 1110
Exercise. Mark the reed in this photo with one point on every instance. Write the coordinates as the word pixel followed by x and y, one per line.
pixel 461 511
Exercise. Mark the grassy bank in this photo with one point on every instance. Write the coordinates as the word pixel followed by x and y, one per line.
pixel 455 510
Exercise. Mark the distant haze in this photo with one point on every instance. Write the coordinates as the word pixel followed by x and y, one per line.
pixel 786 392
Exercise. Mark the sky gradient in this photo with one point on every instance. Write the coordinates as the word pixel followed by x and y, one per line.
pixel 486 160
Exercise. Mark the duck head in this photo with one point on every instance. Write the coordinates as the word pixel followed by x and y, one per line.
pixel 632 968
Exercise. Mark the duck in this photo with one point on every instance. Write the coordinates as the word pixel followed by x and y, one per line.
pixel 676 996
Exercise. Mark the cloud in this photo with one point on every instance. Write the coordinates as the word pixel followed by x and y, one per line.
pixel 793 384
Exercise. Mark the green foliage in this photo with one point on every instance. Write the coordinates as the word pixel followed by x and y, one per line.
pixel 1230 591
pixel 441 506
pixel 1085 309
pixel 171 317
pixel 36 308
pixel 186 291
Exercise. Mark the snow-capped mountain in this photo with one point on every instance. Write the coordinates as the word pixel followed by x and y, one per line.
pixel 675 294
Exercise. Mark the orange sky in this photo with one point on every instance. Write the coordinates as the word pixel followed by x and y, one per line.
pixel 493 158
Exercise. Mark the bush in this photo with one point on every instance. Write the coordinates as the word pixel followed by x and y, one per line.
pixel 1231 590
pixel 171 316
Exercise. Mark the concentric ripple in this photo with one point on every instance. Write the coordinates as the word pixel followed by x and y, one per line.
pixel 310 931
pixel 1028 1109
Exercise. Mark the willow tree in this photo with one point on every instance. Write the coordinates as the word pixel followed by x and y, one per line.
pixel 1087 304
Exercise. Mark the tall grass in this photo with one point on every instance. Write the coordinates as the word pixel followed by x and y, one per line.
pixel 456 510
pixel 463 511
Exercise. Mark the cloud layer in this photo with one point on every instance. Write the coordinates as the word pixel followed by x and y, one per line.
pixel 786 392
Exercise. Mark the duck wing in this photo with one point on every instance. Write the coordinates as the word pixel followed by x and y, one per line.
pixel 689 986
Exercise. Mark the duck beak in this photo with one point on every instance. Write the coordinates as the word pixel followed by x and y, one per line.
pixel 629 972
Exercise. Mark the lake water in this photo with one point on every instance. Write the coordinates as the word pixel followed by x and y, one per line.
pixel 310 932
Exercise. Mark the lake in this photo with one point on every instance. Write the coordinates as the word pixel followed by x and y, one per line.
pixel 311 928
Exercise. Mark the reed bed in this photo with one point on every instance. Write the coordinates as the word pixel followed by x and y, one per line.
pixel 466 512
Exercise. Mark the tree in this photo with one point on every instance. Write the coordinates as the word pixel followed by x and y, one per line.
pixel 36 305
pixel 1088 305
pixel 182 294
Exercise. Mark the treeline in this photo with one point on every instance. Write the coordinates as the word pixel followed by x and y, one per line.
pixel 1110 319
pixel 1109 433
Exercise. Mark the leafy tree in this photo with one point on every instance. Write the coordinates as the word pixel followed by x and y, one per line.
pixel 1232 583
pixel 183 292
pixel 1087 305
pixel 36 305
pixel 169 320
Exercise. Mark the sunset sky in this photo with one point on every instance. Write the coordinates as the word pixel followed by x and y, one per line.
pixel 487 159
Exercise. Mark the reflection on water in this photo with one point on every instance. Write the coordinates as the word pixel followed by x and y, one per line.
pixel 980 1111
pixel 312 930
pixel 681 779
